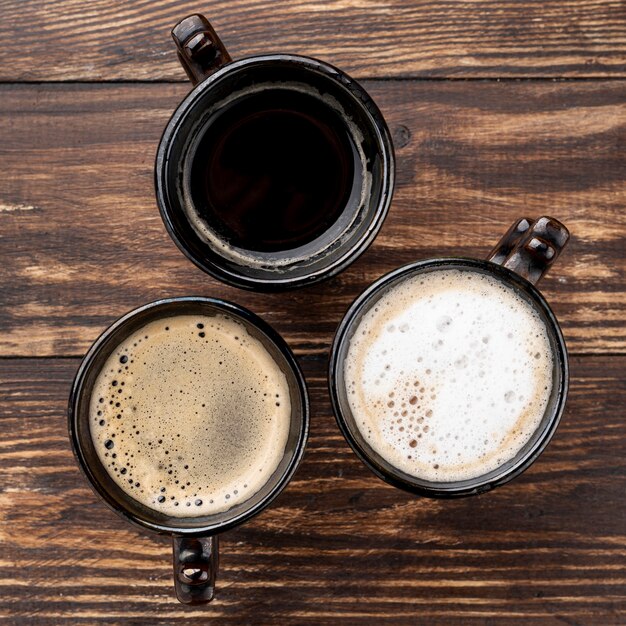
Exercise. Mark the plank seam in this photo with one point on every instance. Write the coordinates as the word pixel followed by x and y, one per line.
pixel 443 79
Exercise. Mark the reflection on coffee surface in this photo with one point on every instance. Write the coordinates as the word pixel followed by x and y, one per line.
pixel 449 374
pixel 274 170
pixel 190 415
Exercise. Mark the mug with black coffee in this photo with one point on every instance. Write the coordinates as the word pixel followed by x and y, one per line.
pixel 188 416
pixel 276 171
pixel 448 377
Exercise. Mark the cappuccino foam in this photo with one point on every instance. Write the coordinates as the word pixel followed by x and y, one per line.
pixel 190 415
pixel 449 374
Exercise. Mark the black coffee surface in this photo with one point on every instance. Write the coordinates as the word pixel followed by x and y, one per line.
pixel 273 171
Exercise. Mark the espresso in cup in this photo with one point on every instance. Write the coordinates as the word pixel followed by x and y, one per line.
pixel 449 374
pixel 190 415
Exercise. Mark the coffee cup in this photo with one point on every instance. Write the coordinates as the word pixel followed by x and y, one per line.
pixel 188 416
pixel 448 377
pixel 276 171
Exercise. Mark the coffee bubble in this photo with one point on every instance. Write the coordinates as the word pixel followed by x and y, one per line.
pixel 196 420
pixel 470 376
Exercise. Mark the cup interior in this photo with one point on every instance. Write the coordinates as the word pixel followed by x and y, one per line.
pixel 505 472
pixel 97 474
pixel 333 249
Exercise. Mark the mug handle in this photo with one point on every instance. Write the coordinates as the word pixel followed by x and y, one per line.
pixel 196 561
pixel 200 50
pixel 529 248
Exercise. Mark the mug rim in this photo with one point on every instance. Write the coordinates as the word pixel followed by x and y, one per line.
pixel 78 389
pixel 485 482
pixel 383 139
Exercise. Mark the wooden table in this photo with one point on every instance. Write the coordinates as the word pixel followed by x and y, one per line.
pixel 497 109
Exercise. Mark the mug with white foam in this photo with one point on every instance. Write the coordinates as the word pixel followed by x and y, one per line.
pixel 448 377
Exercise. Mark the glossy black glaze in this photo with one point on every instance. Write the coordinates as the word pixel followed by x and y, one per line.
pixel 202 527
pixel 79 415
pixel 196 561
pixel 526 456
pixel 183 126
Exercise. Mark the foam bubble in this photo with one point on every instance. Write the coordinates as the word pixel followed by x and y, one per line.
pixel 190 415
pixel 472 372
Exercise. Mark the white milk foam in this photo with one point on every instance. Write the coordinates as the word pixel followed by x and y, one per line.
pixel 190 415
pixel 449 374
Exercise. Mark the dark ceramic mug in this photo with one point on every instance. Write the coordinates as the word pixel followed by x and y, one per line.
pixel 195 539
pixel 520 259
pixel 220 83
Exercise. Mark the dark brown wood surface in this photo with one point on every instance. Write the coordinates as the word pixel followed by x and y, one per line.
pixel 104 40
pixel 81 243
pixel 338 546
pixel 83 240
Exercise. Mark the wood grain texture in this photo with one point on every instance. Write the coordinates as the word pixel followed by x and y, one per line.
pixel 81 240
pixel 104 40
pixel 338 546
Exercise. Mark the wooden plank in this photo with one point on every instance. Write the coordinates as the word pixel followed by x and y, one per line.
pixel 339 545
pixel 67 40
pixel 81 240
